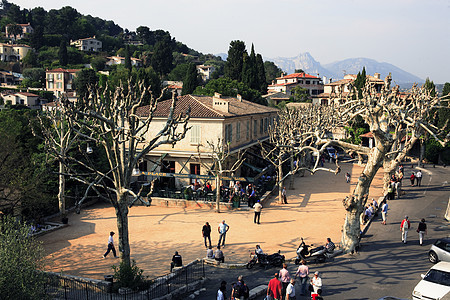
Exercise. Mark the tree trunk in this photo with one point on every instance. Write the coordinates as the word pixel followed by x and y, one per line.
pixel 280 181
pixel 355 203
pixel 218 193
pixel 122 225
pixel 291 178
pixel 422 153
pixel 61 189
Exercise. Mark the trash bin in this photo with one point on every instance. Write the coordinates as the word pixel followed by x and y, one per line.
pixel 109 278
pixel 236 203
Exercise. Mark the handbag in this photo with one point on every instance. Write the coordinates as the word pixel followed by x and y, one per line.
pixel 310 288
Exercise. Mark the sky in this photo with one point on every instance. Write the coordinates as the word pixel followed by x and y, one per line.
pixel 413 35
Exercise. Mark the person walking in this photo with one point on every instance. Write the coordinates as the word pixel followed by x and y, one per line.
pixel 283 194
pixel 418 178
pixel 206 232
pixel 303 272
pixel 238 290
pixel 422 230
pixel 290 291
pixel 274 288
pixel 404 227
pixel 285 277
pixel 222 290
pixel 110 246
pixel 347 177
pixel 412 178
pixel 223 229
pixel 384 210
pixel 316 283
pixel 258 207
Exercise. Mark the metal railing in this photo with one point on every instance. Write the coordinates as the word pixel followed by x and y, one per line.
pixel 60 287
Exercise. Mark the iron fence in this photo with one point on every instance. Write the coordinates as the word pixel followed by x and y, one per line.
pixel 60 287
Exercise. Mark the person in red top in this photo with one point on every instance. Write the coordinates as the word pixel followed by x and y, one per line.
pixel 274 289
pixel 404 227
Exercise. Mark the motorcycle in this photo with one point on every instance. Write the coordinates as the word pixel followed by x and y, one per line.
pixel 266 260
pixel 318 254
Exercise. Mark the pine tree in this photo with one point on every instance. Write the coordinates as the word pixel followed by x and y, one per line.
pixel 162 57
pixel 190 81
pixel 429 86
pixel 235 60
pixel 250 71
pixel 62 53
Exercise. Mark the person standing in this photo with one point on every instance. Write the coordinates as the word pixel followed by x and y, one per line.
pixel 206 231
pixel 290 291
pixel 404 227
pixel 110 246
pixel 222 290
pixel 223 229
pixel 418 178
pixel 384 210
pixel 285 277
pixel 274 288
pixel 283 193
pixel 303 272
pixel 238 289
pixel 258 207
pixel 316 283
pixel 422 230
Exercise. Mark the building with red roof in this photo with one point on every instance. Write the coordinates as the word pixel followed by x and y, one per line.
pixel 60 80
pixel 286 83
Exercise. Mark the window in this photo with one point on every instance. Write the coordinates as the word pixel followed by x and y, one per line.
pixel 255 128
pixel 307 82
pixel 229 133
pixel 238 131
pixel 261 126
pixel 50 77
pixel 266 124
pixel 50 85
pixel 59 76
pixel 248 130
pixel 195 134
pixel 59 85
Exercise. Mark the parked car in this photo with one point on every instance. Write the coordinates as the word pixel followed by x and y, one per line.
pixel 435 284
pixel 440 251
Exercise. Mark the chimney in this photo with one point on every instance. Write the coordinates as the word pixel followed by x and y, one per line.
pixel 219 103
pixel 239 97
pixel 377 75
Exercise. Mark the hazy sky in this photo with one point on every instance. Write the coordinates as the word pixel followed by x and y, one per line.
pixel 411 34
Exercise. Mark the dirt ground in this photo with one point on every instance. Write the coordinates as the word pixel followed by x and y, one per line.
pixel 314 212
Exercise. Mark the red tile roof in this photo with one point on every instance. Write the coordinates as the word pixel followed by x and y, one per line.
pixel 298 75
pixel 202 107
pixel 28 94
pixel 61 70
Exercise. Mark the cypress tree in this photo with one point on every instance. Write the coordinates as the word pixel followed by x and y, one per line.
pixel 190 81
pixel 261 74
pixel 62 53
pixel 235 60
pixel 127 58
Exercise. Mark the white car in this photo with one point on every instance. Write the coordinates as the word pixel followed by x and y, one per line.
pixel 435 284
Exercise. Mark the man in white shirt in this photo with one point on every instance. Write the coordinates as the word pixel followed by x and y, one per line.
pixel 316 282
pixel 110 246
pixel 418 178
pixel 258 207
pixel 223 229
pixel 290 290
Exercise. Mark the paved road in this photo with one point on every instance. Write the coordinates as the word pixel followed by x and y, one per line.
pixel 384 266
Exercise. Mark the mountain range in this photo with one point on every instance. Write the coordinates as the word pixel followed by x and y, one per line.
pixel 337 70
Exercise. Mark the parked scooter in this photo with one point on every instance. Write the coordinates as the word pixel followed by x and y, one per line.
pixel 317 255
pixel 266 260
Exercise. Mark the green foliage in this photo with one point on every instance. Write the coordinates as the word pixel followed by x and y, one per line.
pixel 129 276
pixel 85 80
pixel 98 63
pixel 272 71
pixel 162 57
pixel 360 81
pixel 356 128
pixel 191 80
pixel 446 89
pixel 299 71
pixel 261 74
pixel 433 150
pixel 34 77
pixel 301 94
pixel 127 58
pixel 429 86
pixel 250 70
pixel 235 60
pixel 179 72
pixel 62 53
pixel 228 87
pixel 30 60
pixel 22 257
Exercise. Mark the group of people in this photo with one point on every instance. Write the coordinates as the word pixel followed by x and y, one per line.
pixel 370 211
pixel 416 178
pixel 222 230
pixel 236 192
pixel 405 226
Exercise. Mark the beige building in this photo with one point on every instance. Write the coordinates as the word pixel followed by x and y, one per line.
pixel 344 86
pixel 286 83
pixel 9 52
pixel 23 98
pixel 119 60
pixel 205 72
pixel 60 80
pixel 239 122
pixel 87 44
pixel 26 29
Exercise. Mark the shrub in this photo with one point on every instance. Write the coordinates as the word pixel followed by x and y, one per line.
pixel 129 276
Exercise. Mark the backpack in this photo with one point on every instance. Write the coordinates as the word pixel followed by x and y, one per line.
pixel 238 290
pixel 246 291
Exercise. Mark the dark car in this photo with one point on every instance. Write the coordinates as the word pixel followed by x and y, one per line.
pixel 440 251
